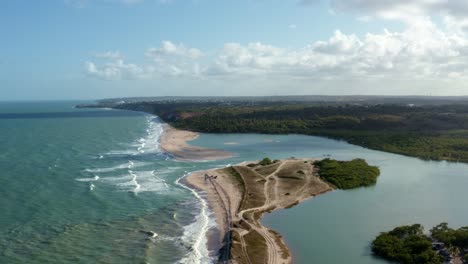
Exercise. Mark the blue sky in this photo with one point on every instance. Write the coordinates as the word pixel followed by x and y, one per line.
pixel 87 49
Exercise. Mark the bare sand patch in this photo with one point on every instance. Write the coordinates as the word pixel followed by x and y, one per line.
pixel 174 142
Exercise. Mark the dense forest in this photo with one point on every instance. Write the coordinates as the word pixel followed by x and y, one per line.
pixel 429 130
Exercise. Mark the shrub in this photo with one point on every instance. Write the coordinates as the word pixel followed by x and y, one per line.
pixel 265 161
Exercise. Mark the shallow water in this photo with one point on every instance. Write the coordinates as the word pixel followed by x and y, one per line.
pixel 338 227
pixel 80 186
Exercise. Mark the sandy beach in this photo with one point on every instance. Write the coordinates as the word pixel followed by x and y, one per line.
pixel 239 213
pixel 174 142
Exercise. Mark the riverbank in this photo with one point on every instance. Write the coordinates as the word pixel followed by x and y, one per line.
pixel 174 142
pixel 239 195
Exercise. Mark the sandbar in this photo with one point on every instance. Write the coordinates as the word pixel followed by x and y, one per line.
pixel 174 142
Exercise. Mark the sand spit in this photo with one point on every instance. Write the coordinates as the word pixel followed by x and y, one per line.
pixel 174 142
pixel 241 194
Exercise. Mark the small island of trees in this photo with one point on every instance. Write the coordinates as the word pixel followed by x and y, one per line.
pixel 410 245
pixel 347 174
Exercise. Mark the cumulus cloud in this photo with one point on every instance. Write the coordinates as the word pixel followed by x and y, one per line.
pixel 114 67
pixel 175 59
pixel 168 49
pixel 169 59
pixel 422 51
pixel 116 70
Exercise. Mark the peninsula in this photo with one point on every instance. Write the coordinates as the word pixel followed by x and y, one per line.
pixel 239 195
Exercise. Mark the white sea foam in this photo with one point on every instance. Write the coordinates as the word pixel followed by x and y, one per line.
pixel 147 144
pixel 129 164
pixel 131 178
pixel 139 181
pixel 195 233
pixel 95 178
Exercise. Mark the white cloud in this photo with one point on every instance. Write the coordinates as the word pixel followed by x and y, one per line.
pixel 421 52
pixel 424 50
pixel 170 49
pixel 167 60
pixel 175 59
pixel 114 67
pixel 115 70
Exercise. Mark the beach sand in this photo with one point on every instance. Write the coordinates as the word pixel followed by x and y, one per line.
pixel 225 194
pixel 174 142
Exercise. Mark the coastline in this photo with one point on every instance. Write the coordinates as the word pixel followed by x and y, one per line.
pixel 174 142
pixel 225 200
pixel 233 237
pixel 211 233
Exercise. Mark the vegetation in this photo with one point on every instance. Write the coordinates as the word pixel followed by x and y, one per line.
pixel 265 161
pixel 449 236
pixel 236 176
pixel 347 174
pixel 268 169
pixel 437 131
pixel 453 239
pixel 407 245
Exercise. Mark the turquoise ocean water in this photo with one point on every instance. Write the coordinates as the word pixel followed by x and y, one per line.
pixel 84 185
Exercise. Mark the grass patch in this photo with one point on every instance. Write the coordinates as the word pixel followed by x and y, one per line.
pixel 294 170
pixel 268 169
pixel 253 183
pixel 284 249
pixel 236 176
pixel 256 247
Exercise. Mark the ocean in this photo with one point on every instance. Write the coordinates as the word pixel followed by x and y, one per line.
pixel 85 185
pixel 90 185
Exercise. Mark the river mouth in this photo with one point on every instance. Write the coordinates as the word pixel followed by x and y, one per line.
pixel 50 209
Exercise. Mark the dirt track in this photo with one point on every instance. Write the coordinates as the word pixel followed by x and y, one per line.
pixel 240 195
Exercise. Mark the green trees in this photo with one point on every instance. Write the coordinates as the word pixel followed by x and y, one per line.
pixel 347 174
pixel 407 245
pixel 437 132
pixel 450 237
pixel 265 161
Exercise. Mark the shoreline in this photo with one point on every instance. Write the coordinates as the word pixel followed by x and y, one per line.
pixel 212 233
pixel 205 247
pixel 224 199
pixel 174 142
